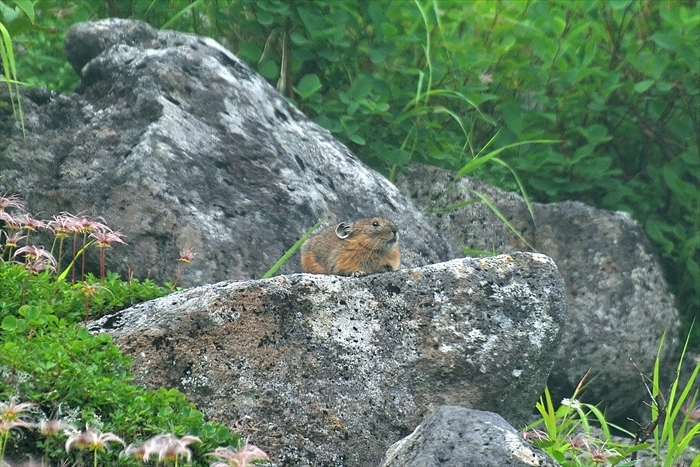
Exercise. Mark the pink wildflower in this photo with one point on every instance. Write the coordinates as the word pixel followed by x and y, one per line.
pixel 92 440
pixel 187 255
pixel 10 201
pixel 241 458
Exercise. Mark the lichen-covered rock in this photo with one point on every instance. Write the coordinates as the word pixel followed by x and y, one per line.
pixel 177 143
pixel 460 437
pixel 329 371
pixel 617 301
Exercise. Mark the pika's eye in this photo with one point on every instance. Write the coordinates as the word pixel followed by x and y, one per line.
pixel 375 223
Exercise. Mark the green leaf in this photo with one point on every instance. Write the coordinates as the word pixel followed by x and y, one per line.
pixel 676 184
pixel 512 115
pixel 664 86
pixel 666 41
pixel 8 14
pixel 264 17
pixel 83 334
pixel 655 229
pixel 590 50
pixel 30 313
pixel 299 39
pixel 396 156
pixel 582 152
pixel 27 7
pixel 643 85
pixel 379 55
pixel 313 21
pixel 308 85
pixel 357 139
pixel 595 134
pixel 330 55
pixel 249 52
pixel 558 24
pixel 389 30
pixel 619 4
pixel 9 323
pixel 268 69
pixel 276 7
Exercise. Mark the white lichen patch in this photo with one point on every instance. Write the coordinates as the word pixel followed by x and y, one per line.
pixel 346 323
pixel 488 352
pixel 519 290
pixel 220 316
pixel 194 381
pixel 540 258
pixel 538 332
pixel 347 331
pixel 520 451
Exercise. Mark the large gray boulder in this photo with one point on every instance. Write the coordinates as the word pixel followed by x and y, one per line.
pixel 329 371
pixel 177 143
pixel 460 437
pixel 618 304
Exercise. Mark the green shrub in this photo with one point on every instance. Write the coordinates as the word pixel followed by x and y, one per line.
pixel 565 433
pixel 49 359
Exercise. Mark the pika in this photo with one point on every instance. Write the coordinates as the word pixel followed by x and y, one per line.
pixel 365 246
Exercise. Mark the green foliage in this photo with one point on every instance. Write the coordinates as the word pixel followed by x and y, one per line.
pixel 617 84
pixel 569 439
pixel 288 254
pixel 15 17
pixel 68 301
pixel 39 57
pixel 676 412
pixel 48 358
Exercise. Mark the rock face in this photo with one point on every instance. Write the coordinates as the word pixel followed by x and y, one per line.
pixel 329 371
pixel 617 301
pixel 177 143
pixel 461 437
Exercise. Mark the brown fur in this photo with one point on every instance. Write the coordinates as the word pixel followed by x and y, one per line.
pixel 371 245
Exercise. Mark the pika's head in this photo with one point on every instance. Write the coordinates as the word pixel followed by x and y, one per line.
pixel 379 231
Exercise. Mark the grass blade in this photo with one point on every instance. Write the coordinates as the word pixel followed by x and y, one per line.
pixel 293 249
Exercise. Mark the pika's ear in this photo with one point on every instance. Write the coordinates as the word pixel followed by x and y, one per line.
pixel 343 230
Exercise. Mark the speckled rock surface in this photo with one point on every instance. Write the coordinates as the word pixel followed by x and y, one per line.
pixel 330 371
pixel 177 143
pixel 617 300
pixel 460 437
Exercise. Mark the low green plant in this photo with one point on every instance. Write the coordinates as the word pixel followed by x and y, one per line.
pixel 565 433
pixel 674 414
pixel 167 447
pixel 50 359
pixel 288 254
pixel 15 17
pixel 568 438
